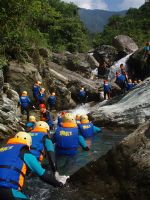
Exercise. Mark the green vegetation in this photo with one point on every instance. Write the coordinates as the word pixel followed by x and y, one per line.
pixel 135 24
pixel 29 24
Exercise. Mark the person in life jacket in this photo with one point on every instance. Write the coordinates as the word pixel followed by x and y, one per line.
pixel 78 119
pixel 130 85
pixel 42 144
pixel 107 89
pixel 121 81
pixel 29 126
pixel 82 96
pixel 59 119
pixel 67 138
pixel 46 116
pixel 15 158
pixel 86 128
pixel 36 90
pixel 41 96
pixel 25 103
pixel 51 101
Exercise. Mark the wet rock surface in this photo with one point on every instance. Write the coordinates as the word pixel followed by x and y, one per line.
pixel 123 173
pixel 133 109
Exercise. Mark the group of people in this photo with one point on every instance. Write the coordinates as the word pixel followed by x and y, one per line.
pixel 40 139
pixel 122 80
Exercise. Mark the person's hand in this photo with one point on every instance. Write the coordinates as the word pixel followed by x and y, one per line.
pixel 86 148
pixel 60 178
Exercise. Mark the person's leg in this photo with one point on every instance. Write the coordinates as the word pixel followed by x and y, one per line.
pixel 10 194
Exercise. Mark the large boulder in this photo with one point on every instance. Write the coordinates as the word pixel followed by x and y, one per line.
pixel 133 109
pixel 139 65
pixel 124 44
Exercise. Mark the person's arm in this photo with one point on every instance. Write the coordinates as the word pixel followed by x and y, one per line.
pixel 82 143
pixel 97 129
pixel 49 149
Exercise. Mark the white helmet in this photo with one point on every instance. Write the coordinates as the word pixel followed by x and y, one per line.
pixel 42 124
pixel 24 136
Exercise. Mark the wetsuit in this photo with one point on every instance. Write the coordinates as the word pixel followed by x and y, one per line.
pixel 46 116
pixel 36 91
pixel 107 90
pixel 52 102
pixel 25 103
pixel 15 158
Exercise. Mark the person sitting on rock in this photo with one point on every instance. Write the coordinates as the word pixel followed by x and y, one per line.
pixel 29 126
pixel 25 103
pixel 15 157
pixel 86 128
pixel 67 138
pixel 135 83
pixel 46 116
pixel 41 96
pixel 107 89
pixel 130 85
pixel 52 101
pixel 121 81
pixel 36 90
pixel 82 96
pixel 123 71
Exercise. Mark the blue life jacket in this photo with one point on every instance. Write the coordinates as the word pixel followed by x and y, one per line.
pixel 24 101
pixel 12 167
pixel 82 93
pixel 52 100
pixel 66 140
pixel 106 87
pixel 130 86
pixel 86 130
pixel 121 78
pixel 36 90
pixel 37 148
pixel 29 126
pixel 41 97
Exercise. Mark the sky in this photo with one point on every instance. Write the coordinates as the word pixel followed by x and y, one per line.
pixel 112 5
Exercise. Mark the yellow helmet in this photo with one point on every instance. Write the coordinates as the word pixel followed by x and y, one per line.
pixel 53 94
pixel 32 119
pixel 24 93
pixel 39 82
pixel 24 136
pixel 42 124
pixel 68 117
pixel 84 118
pixel 42 90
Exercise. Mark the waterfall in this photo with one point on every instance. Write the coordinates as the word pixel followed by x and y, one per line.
pixel 116 66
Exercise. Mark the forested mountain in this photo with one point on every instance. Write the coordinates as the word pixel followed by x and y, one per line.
pixel 26 24
pixel 95 20
pixel 135 24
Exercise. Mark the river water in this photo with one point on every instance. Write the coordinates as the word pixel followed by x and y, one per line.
pixel 99 145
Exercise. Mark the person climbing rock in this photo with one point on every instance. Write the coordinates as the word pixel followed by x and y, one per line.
pixel 107 89
pixel 121 81
pixel 41 96
pixel 130 85
pixel 82 96
pixel 29 126
pixel 46 116
pixel 42 144
pixel 36 90
pixel 51 101
pixel 15 157
pixel 67 138
pixel 25 103
pixel 86 128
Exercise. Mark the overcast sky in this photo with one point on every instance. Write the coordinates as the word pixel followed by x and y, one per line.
pixel 115 5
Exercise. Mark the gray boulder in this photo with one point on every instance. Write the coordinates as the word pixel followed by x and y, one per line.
pixel 124 44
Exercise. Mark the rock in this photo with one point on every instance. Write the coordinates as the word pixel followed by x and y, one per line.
pixel 105 55
pixel 139 65
pixel 44 52
pixel 1 80
pixel 132 110
pixel 124 44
